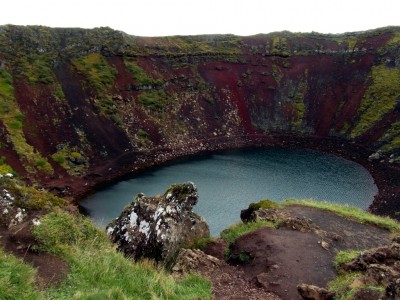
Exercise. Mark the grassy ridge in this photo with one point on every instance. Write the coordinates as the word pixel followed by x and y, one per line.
pixel 351 212
pixel 97 271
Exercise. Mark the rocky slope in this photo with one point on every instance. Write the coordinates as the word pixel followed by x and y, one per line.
pixel 80 107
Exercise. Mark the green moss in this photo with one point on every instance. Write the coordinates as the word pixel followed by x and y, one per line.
pixel 379 99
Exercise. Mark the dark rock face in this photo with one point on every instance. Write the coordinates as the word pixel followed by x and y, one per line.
pixel 157 227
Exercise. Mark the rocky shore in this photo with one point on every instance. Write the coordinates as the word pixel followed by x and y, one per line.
pixel 385 175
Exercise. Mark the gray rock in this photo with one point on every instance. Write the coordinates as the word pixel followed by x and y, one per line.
pixel 158 227
pixel 375 156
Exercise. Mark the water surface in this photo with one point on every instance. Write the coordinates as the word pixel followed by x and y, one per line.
pixel 228 182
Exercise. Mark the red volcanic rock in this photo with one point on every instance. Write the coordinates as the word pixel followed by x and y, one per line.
pixel 126 103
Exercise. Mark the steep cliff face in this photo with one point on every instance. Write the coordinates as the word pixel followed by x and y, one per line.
pixel 72 101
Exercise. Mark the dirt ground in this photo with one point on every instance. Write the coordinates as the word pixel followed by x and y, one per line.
pixel 283 258
pixel 280 258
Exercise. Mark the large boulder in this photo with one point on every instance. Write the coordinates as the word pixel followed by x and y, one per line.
pixel 158 227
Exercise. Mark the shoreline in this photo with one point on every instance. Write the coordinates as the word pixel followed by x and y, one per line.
pixel 386 177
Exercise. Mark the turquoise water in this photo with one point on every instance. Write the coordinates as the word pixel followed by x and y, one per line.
pixel 228 182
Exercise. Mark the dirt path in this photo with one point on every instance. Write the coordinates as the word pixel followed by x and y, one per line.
pixel 283 258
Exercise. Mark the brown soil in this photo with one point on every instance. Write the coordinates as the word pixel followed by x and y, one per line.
pixel 283 258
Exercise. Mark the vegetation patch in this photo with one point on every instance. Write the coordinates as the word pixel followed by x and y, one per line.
pixel 379 99
pixel 5 168
pixel 351 212
pixel 234 231
pixel 345 256
pixel 71 159
pixel 98 72
pixel 29 197
pixel 140 75
pixel 391 138
pixel 154 100
pixel 341 285
pixel 100 272
pixel 263 204
pixel 16 279
pixel 12 119
pixel 202 243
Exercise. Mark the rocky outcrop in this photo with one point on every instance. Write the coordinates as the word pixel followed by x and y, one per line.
pixel 380 267
pixel 229 282
pixel 158 227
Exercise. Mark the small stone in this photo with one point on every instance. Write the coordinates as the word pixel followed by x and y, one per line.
pixel 325 245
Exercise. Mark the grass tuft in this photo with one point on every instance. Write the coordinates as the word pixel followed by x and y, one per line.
pixel 231 233
pixel 345 256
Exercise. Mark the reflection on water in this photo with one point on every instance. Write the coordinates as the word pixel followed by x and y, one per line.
pixel 228 182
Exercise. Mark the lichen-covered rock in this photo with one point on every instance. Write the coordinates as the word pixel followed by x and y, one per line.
pixel 157 227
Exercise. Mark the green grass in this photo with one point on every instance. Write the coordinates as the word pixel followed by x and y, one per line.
pixel 263 204
pixel 100 272
pixel 17 279
pixel 341 283
pixel 234 231
pixel 202 243
pixel 345 256
pixel 379 99
pixel 351 212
